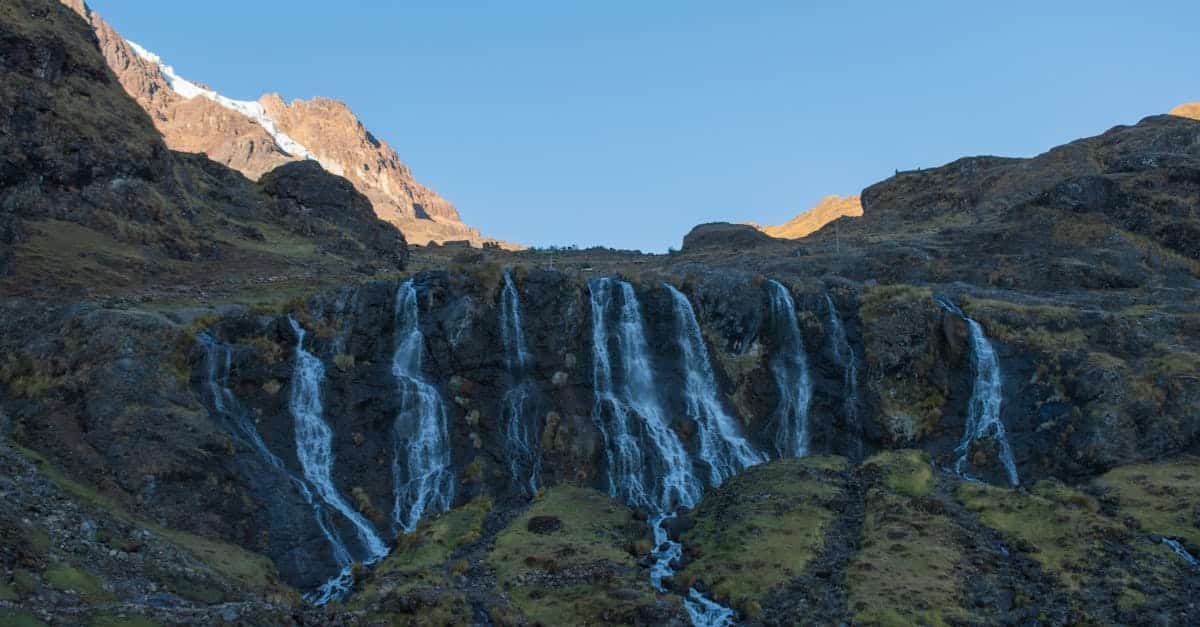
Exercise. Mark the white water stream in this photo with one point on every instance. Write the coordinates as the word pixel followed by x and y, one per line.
pixel 422 479
pixel 843 353
pixel 987 395
pixel 630 417
pixel 314 450
pixel 789 367
pixel 524 457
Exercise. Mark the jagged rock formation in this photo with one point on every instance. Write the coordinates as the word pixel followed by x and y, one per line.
pixel 829 209
pixel 93 199
pixel 256 137
pixel 1187 110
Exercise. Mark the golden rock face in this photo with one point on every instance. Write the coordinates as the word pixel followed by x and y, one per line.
pixel 1187 110
pixel 327 128
pixel 829 209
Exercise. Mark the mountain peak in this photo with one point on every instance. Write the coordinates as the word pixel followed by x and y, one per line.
pixel 1187 110
pixel 257 136
pixel 829 209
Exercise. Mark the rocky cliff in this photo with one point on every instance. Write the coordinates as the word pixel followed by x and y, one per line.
pixel 256 137
pixel 978 403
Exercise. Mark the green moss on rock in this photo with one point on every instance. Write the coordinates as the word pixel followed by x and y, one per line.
pixel 1162 497
pixel 905 472
pixel 566 561
pixel 121 620
pixel 417 566
pixel 906 569
pixel 67 578
pixel 761 529
pixel 11 617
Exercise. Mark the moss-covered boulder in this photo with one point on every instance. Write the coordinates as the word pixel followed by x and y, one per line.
pixel 570 559
pixel 909 568
pixel 761 529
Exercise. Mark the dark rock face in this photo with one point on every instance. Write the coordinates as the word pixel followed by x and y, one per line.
pixel 915 383
pixel 723 235
pixel 307 186
pixel 1079 265
pixel 75 148
pixel 313 200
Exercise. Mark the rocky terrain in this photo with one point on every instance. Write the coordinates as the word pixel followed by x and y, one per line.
pixel 226 400
pixel 1188 110
pixel 321 129
pixel 829 209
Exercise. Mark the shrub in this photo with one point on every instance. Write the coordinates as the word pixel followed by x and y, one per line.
pixel 345 363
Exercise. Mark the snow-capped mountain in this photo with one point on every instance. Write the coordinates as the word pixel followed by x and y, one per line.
pixel 255 137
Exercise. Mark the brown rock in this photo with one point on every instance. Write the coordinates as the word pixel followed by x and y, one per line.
pixel 1187 110
pixel 326 128
pixel 829 209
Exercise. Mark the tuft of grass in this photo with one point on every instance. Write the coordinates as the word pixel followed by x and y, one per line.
pixel 12 617
pixel 116 620
pixel 580 573
pixel 905 472
pixel 1161 497
pixel 268 351
pixel 761 528
pixel 67 578
pixel 1057 524
pixel 7 593
pixel 879 300
pixel 420 559
pixel 905 570
pixel 345 363
pixel 251 571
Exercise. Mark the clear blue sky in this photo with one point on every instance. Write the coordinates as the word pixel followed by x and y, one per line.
pixel 625 123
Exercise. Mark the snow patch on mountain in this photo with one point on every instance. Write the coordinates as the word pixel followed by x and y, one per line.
pixel 253 110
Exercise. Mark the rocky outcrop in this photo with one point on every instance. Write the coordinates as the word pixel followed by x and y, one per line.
pixel 322 129
pixel 93 198
pixel 829 209
pixel 723 235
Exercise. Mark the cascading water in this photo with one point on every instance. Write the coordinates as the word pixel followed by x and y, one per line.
pixel 789 367
pixel 843 353
pixel 1183 553
pixel 524 458
pixel 647 465
pixel 632 445
pixel 983 415
pixel 722 448
pixel 422 479
pixel 217 359
pixel 314 449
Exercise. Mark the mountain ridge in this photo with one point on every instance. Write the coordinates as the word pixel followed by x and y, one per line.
pixel 1187 110
pixel 810 221
pixel 255 137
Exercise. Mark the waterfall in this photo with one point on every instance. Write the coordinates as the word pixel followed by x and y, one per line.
pixel 843 354
pixel 314 449
pixel 789 367
pixel 1182 553
pixel 722 448
pixel 524 458
pixel 983 415
pixel 647 465
pixel 422 479
pixel 703 611
pixel 217 358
